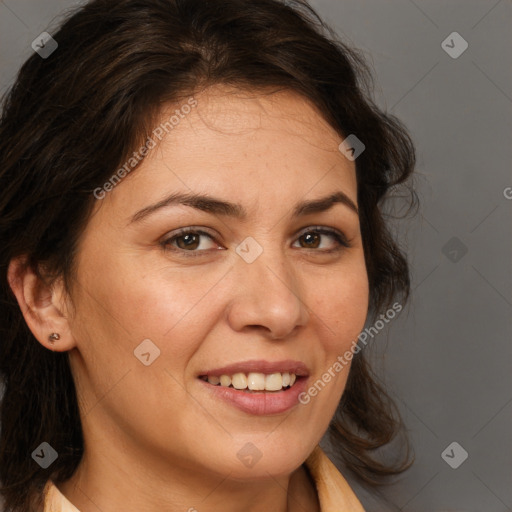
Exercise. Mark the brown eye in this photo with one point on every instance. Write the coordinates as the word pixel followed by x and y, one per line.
pixel 189 241
pixel 318 238
pixel 311 240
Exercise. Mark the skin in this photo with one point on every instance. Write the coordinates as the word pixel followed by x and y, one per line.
pixel 154 438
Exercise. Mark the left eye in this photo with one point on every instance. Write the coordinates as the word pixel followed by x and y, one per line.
pixel 313 239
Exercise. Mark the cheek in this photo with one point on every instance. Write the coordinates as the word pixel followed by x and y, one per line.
pixel 339 309
pixel 119 310
pixel 342 305
pixel 153 303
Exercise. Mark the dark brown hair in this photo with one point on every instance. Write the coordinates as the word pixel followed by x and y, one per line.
pixel 70 120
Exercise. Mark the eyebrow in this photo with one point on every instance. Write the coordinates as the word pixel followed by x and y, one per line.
pixel 209 204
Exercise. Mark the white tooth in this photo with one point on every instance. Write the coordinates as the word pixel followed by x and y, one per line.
pixel 239 381
pixel 292 379
pixel 286 379
pixel 213 379
pixel 225 380
pixel 273 382
pixel 256 381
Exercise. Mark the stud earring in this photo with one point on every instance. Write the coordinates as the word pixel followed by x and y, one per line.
pixel 54 336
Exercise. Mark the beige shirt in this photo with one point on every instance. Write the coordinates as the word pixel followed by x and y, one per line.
pixel 334 493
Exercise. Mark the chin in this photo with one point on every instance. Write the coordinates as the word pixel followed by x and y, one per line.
pixel 257 457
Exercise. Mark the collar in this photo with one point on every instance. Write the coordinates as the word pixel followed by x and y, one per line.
pixel 334 493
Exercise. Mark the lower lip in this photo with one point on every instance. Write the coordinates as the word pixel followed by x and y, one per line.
pixel 261 403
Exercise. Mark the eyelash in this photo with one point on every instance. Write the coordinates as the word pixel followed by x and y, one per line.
pixel 337 235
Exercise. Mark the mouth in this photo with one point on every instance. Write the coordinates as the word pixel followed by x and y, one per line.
pixel 257 387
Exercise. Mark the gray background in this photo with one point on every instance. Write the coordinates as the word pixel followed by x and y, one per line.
pixel 448 355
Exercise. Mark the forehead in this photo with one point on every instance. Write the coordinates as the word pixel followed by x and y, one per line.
pixel 247 145
pixel 254 117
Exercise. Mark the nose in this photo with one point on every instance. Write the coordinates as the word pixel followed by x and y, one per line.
pixel 267 298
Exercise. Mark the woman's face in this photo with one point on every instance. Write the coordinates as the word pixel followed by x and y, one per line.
pixel 260 284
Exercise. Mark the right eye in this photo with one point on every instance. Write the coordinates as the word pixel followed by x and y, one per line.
pixel 189 240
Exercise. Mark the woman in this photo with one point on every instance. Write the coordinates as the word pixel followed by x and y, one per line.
pixel 192 243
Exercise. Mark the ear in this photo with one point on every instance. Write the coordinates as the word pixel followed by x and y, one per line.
pixel 45 307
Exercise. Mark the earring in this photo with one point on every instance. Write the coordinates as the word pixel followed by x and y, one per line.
pixel 54 336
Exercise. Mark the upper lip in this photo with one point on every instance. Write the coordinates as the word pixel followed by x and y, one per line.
pixel 260 366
